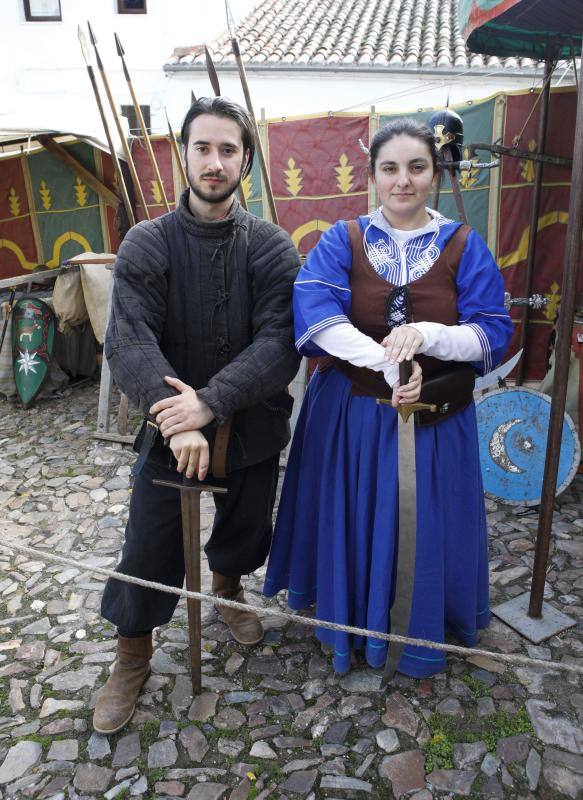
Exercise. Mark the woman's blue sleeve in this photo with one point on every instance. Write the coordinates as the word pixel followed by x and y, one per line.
pixel 322 288
pixel 481 302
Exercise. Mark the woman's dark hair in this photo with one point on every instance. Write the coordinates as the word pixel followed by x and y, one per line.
pixel 403 127
pixel 221 107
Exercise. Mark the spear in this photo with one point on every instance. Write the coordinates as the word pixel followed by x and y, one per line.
pixel 245 87
pixel 116 119
pixel 121 53
pixel 116 164
pixel 175 150
pixel 212 73
pixel 214 79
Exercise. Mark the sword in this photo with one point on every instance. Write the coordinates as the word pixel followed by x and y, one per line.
pixel 496 376
pixel 190 507
pixel 400 612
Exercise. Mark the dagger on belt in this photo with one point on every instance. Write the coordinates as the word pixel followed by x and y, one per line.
pixel 398 312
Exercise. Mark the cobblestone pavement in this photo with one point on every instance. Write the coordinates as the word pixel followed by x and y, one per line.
pixel 273 721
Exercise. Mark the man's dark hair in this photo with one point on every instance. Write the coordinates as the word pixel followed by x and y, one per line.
pixel 403 127
pixel 221 107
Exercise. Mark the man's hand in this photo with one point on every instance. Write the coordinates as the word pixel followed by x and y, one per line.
pixel 411 391
pixel 183 412
pixel 402 343
pixel 191 450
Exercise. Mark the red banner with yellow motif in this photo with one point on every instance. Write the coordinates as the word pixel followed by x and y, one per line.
pixel 318 173
pixel 515 207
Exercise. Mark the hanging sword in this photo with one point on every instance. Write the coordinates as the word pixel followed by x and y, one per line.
pixel 398 312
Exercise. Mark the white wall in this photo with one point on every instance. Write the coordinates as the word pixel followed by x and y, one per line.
pixel 287 93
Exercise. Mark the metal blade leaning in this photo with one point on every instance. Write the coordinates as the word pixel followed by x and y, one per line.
pixel 190 507
pixel 400 612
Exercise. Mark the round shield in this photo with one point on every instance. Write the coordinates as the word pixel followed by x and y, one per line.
pixel 33 335
pixel 513 425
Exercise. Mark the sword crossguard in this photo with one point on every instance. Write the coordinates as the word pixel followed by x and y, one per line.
pixel 191 487
pixel 407 409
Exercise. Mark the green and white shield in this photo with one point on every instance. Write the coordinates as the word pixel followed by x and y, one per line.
pixel 33 336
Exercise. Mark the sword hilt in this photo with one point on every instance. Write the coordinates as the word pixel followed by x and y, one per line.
pixel 406 409
pixel 189 486
pixel 405 372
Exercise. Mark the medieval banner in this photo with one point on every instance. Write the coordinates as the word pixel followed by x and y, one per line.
pixel 19 247
pixel 521 128
pixel 318 173
pixel 67 211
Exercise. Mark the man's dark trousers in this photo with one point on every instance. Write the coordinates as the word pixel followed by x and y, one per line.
pixel 153 548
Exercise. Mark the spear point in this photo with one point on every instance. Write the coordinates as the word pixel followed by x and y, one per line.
pixel 212 73
pixel 91 34
pixel 84 47
pixel 120 51
pixel 230 20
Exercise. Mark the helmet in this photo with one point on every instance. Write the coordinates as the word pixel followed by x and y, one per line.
pixel 448 129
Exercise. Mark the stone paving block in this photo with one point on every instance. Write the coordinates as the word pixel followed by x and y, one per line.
pixel 92 778
pixel 19 759
pixel 405 771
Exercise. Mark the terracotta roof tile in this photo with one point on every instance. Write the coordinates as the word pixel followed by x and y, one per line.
pixel 375 33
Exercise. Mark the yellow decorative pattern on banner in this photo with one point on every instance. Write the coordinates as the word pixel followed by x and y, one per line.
pixel 80 192
pixel 309 227
pixel 45 196
pixel 527 167
pixel 521 251
pixel 14 202
pixel 468 176
pixel 247 185
pixel 293 178
pixel 67 236
pixel 551 308
pixel 344 174
pixel 156 193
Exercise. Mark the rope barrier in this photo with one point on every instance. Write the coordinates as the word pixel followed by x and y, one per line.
pixel 507 658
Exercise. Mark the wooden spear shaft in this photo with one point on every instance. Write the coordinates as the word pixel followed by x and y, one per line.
pixel 175 150
pixel 118 125
pixel 114 158
pixel 214 79
pixel 260 153
pixel 147 142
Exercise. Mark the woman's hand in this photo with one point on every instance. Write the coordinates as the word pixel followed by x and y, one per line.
pixel 411 391
pixel 191 450
pixel 401 344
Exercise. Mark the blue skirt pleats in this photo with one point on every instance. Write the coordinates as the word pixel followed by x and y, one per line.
pixel 336 533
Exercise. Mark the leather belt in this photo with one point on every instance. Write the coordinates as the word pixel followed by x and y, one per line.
pixel 220 447
pixel 450 389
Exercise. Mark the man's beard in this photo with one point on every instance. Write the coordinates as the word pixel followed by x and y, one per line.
pixel 209 197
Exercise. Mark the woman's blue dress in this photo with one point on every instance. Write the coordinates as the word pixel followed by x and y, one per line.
pixel 336 532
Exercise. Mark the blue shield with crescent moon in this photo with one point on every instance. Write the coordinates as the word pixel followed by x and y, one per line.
pixel 513 426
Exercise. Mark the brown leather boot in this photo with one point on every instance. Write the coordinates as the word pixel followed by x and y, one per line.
pixel 245 626
pixel 116 701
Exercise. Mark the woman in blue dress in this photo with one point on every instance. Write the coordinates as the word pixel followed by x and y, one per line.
pixel 335 540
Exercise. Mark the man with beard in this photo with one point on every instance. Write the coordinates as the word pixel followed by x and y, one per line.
pixel 201 338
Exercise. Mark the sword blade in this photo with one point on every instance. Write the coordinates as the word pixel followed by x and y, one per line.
pixel 407 544
pixel 491 378
pixel 190 507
